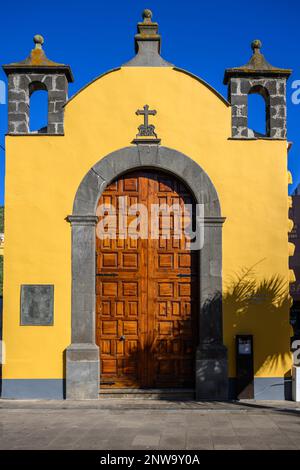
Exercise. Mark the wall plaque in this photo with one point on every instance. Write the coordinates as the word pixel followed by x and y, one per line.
pixel 37 304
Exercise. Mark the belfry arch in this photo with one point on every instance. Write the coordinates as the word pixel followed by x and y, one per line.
pixel 82 356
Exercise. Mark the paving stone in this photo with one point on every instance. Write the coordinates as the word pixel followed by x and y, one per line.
pixel 237 425
pixel 263 422
pixel 170 441
pixel 200 446
pixel 44 425
pixel 146 441
pixel 227 447
pixel 246 431
pixel 225 440
pixel 198 442
pixel 294 436
pixel 253 444
pixel 219 435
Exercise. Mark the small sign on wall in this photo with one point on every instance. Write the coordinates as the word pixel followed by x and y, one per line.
pixel 244 366
pixel 245 346
pixel 37 304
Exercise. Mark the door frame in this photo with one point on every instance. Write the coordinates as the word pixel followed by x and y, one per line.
pixel 82 356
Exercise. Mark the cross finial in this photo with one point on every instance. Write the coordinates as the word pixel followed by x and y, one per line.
pixel 146 130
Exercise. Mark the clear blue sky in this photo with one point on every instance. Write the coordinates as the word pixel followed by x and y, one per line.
pixel 204 37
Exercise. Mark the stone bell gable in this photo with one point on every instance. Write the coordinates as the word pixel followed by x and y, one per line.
pixel 257 76
pixel 37 72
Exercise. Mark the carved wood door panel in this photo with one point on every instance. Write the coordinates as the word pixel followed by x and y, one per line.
pixel 146 322
pixel 172 278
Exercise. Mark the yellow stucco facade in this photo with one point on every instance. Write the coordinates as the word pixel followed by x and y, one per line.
pixel 250 176
pixel 44 172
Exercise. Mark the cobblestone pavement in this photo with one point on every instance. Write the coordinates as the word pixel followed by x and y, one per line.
pixel 148 424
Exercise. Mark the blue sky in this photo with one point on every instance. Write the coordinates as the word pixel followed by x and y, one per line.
pixel 200 36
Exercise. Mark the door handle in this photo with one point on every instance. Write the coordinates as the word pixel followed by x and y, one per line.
pixel 122 338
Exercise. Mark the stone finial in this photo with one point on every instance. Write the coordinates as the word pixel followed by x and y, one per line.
pixel 256 45
pixel 37 55
pixel 37 58
pixel 147 44
pixel 147 27
pixel 38 41
pixel 257 65
pixel 147 16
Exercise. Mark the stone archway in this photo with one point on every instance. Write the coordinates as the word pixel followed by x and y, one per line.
pixel 82 356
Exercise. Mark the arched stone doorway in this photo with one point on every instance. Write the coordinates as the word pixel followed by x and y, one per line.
pixel 82 356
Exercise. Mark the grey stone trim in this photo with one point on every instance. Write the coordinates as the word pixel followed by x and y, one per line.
pixel 203 82
pixel 82 371
pixel 48 389
pixel 272 388
pixel 212 374
pixel 266 388
pixel 90 83
pixel 211 354
pixel 40 69
pixel 37 305
pixel 147 55
pixel 83 278
pixel 236 73
pixel 214 220
pixel 176 69
pixel 273 90
pixel 146 141
pixel 129 158
pixel 252 138
pixel 82 219
pixel 35 134
pixel 82 356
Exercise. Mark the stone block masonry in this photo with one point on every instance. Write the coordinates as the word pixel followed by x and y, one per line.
pixel 34 73
pixel 21 87
pixel 260 77
pixel 274 93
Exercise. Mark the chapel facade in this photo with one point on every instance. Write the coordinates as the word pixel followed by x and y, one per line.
pixel 87 313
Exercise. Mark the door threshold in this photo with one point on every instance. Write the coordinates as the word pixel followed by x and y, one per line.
pixel 149 393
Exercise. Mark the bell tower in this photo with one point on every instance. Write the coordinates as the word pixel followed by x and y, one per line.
pixel 257 76
pixel 37 72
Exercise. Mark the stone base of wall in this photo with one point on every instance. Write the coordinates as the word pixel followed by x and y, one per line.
pixel 265 388
pixel 46 389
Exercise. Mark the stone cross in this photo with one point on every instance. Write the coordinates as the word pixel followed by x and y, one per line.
pixel 146 129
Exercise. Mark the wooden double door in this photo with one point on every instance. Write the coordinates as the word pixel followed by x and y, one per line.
pixel 146 288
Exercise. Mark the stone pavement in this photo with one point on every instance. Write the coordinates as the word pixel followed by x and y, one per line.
pixel 111 423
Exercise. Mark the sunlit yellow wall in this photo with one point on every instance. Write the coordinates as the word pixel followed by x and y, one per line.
pixel 1 246
pixel 43 173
